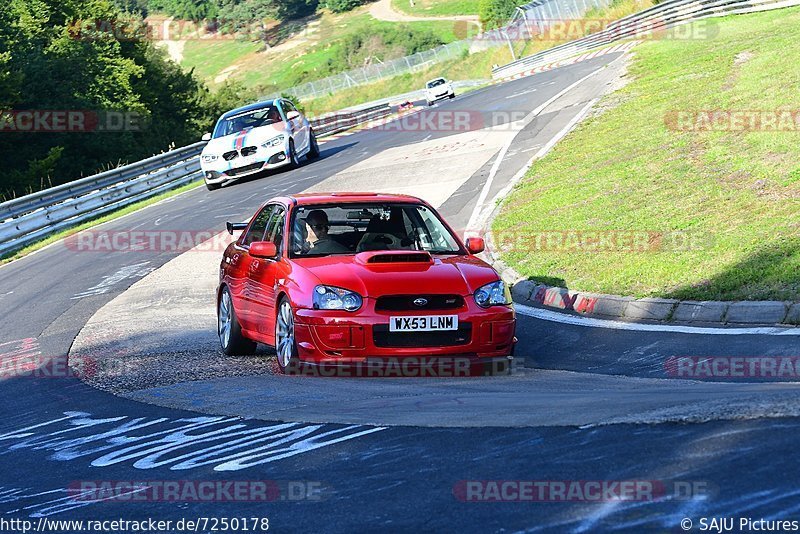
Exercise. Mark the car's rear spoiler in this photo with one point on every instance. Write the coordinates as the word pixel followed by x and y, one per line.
pixel 235 227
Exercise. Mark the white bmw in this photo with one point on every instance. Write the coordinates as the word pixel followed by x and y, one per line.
pixel 254 138
pixel 438 89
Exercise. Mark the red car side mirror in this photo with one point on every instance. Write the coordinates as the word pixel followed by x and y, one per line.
pixel 475 245
pixel 263 249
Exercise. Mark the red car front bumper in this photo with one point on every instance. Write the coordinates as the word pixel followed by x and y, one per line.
pixel 361 340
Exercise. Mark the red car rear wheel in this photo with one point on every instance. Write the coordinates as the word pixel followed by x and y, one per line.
pixel 229 329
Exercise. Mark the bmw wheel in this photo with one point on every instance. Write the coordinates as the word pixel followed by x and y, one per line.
pixel 285 342
pixel 313 151
pixel 294 161
pixel 229 330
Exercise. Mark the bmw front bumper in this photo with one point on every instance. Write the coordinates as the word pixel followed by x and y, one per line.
pixel 220 175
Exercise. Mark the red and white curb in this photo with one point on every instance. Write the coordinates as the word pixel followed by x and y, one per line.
pixel 530 293
pixel 622 47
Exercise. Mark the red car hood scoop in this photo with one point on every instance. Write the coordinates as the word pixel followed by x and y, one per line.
pixel 399 272
pixel 393 256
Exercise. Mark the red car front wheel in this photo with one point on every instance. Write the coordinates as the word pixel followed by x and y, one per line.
pixel 285 342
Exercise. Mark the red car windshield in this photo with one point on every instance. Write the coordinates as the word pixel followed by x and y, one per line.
pixel 353 228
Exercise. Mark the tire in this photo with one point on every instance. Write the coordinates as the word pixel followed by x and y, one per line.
pixel 285 341
pixel 212 187
pixel 313 151
pixel 229 330
pixel 452 96
pixel 294 161
pixel 430 103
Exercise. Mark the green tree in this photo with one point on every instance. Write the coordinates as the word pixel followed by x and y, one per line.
pixel 294 9
pixel 53 57
pixel 340 6
pixel 185 9
pixel 496 13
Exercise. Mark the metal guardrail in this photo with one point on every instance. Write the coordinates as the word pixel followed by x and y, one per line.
pixel 643 24
pixel 28 219
pixel 344 120
pixel 21 205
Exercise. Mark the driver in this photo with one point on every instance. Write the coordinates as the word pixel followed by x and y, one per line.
pixel 273 115
pixel 318 226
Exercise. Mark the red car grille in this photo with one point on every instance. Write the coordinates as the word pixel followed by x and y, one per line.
pixel 381 337
pixel 406 302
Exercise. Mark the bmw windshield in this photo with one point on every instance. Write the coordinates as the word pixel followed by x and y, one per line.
pixel 247 120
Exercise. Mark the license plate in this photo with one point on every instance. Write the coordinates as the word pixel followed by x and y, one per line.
pixel 425 323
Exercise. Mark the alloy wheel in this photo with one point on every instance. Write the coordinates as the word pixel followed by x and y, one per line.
pixel 284 334
pixel 224 319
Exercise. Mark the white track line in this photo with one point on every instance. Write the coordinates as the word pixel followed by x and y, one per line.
pixel 590 322
pixel 479 205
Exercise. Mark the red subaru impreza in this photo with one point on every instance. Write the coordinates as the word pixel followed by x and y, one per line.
pixel 346 279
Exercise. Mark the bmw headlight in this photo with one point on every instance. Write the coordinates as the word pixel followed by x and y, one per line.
pixel 275 141
pixel 493 294
pixel 336 298
pixel 208 158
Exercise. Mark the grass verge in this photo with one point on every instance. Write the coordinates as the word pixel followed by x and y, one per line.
pixel 733 193
pixel 436 8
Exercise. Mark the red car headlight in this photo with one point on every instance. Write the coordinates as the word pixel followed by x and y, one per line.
pixel 336 298
pixel 493 294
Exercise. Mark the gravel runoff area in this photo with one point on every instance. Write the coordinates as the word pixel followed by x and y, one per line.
pixel 162 330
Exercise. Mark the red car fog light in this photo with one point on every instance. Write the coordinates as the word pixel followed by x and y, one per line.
pixel 498 332
pixel 341 337
pixel 502 331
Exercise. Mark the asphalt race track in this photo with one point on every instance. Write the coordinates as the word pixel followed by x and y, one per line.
pixel 590 401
